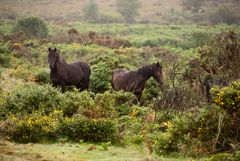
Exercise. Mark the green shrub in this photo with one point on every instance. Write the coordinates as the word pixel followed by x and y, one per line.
pixel 100 77
pixel 75 102
pixel 151 91
pixel 109 18
pixel 217 63
pixel 177 98
pixel 222 157
pixel 32 27
pixel 228 98
pixel 106 105
pixel 102 69
pixel 123 102
pixel 100 130
pixel 29 98
pixel 4 55
pixel 195 40
pixel 43 77
pixel 237 156
pixel 5 60
pixel 195 134
pixel 33 128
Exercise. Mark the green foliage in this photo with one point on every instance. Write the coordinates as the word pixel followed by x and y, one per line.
pixel 102 69
pixel 101 108
pixel 222 157
pixel 224 14
pixel 237 156
pixel 217 63
pixel 32 27
pixel 5 27
pixel 177 98
pixel 106 145
pixel 195 134
pixel 76 102
pixel 91 11
pixel 228 98
pixel 151 91
pixel 100 130
pixel 33 128
pixel 5 60
pixel 37 128
pixel 4 56
pixel 195 39
pixel 128 9
pixel 109 18
pixel 30 98
pixel 106 105
pixel 100 77
pixel 43 77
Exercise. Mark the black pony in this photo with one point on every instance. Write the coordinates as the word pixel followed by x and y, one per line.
pixel 64 74
pixel 134 81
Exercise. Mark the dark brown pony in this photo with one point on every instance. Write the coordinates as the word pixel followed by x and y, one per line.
pixel 64 74
pixel 134 81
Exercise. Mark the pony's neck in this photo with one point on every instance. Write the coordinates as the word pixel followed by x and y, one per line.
pixel 58 64
pixel 146 71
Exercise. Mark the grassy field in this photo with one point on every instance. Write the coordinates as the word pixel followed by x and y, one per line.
pixel 75 152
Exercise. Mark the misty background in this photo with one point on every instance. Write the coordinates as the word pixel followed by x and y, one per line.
pixel 125 11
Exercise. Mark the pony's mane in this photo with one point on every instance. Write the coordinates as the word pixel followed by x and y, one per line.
pixel 61 59
pixel 146 70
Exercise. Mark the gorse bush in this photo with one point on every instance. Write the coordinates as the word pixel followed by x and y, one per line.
pixel 4 55
pixel 33 128
pixel 106 105
pixel 75 102
pixel 228 98
pixel 217 63
pixel 102 69
pixel 195 134
pixel 32 27
pixel 29 98
pixel 222 157
pixel 43 77
pixel 38 128
pixel 93 130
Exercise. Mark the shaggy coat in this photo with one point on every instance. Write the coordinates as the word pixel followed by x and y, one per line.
pixel 134 81
pixel 64 74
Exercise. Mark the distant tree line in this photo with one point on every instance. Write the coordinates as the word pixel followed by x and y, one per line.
pixel 128 9
pixel 209 11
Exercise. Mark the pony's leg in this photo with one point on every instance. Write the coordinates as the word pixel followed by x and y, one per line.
pixel 79 86
pixel 138 94
pixel 63 87
pixel 55 84
pixel 85 84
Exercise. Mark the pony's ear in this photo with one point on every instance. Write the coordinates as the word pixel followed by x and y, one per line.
pixel 158 64
pixel 55 49
pixel 49 49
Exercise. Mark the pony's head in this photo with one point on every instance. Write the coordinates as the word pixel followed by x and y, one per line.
pixel 53 57
pixel 157 73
